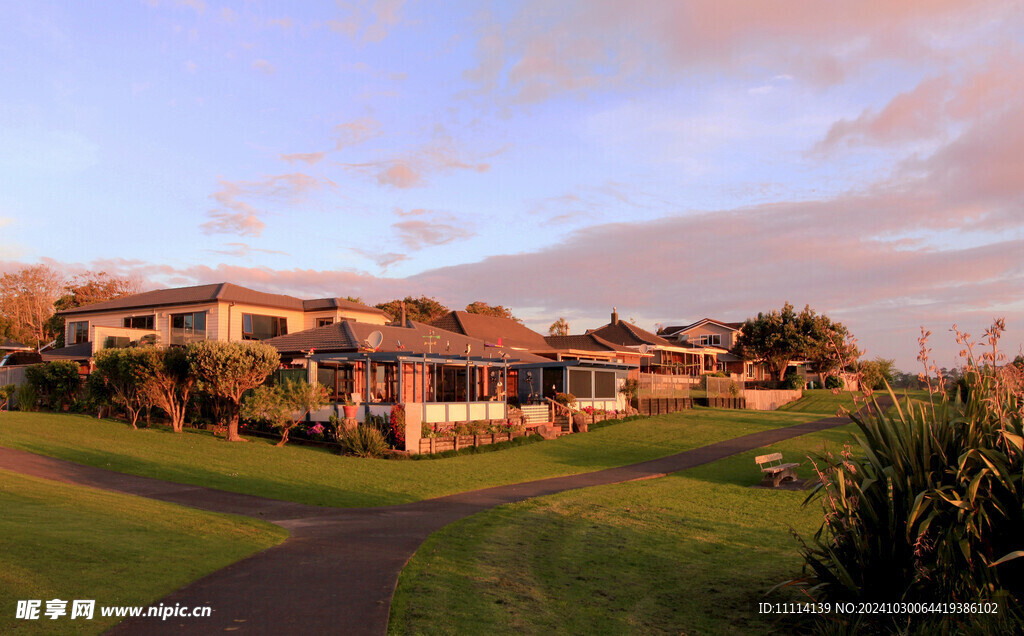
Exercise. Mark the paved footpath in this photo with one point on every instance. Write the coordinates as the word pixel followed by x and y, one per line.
pixel 348 559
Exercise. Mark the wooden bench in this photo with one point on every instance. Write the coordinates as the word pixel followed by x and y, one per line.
pixel 775 472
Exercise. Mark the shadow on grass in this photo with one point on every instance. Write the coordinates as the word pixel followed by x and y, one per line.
pixel 264 484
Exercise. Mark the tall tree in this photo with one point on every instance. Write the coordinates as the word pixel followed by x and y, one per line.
pixel 829 345
pixel 779 337
pixel 226 370
pixel 125 373
pixel 482 308
pixel 86 289
pixel 420 309
pixel 26 301
pixel 169 383
pixel 559 328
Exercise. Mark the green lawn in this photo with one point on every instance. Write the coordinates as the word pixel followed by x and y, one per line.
pixel 317 477
pixel 691 553
pixel 70 542
pixel 820 402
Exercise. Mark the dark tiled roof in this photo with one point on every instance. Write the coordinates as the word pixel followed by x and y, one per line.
pixel 10 345
pixel 318 304
pixel 629 335
pixel 585 342
pixel 197 294
pixel 334 337
pixel 347 336
pixel 81 351
pixel 728 325
pixel 227 292
pixel 491 328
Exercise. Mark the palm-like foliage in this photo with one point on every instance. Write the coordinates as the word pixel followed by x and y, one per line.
pixel 927 506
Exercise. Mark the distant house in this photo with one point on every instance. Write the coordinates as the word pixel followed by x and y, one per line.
pixel 718 338
pixel 587 366
pixel 663 356
pixel 453 376
pixel 179 316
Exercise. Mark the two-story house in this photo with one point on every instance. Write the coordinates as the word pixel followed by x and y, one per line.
pixel 218 311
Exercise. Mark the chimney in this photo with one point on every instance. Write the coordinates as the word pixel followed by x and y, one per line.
pixel 403 323
pixel 615 316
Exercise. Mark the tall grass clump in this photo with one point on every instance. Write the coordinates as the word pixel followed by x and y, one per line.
pixel 927 505
pixel 363 441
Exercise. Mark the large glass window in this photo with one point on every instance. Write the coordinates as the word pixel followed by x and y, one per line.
pixel 323 322
pixel 78 332
pixel 604 384
pixel 257 327
pixel 139 322
pixel 579 383
pixel 186 328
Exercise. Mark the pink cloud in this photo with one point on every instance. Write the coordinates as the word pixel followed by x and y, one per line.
pixel 233 223
pixel 310 158
pixel 236 216
pixel 399 175
pixel 415 235
pixel 580 46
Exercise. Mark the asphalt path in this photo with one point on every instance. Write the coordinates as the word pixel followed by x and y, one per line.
pixel 337 571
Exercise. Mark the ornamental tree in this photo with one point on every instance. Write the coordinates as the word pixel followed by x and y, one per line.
pixel 124 372
pixel 779 337
pixel 226 370
pixel 169 382
pixel 284 405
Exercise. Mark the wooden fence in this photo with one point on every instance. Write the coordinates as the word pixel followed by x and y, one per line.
pixel 440 444
pixel 12 375
pixel 659 406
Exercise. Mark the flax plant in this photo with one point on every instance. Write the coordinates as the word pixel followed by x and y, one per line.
pixel 927 505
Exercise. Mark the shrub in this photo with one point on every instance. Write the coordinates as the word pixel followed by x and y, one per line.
pixel 566 399
pixel 124 372
pixel 833 382
pixel 55 382
pixel 363 441
pixel 793 381
pixel 6 391
pixel 26 398
pixel 397 427
pixel 934 506
pixel 226 370
pixel 283 405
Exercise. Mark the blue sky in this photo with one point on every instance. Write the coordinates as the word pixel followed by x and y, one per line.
pixel 676 160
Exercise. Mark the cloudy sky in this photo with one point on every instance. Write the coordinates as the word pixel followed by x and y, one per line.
pixel 674 159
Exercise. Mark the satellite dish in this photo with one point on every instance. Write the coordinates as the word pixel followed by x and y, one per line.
pixel 645 349
pixel 374 340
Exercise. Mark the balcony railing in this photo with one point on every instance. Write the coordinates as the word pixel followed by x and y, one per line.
pixel 180 336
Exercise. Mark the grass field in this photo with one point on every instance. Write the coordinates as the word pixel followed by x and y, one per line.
pixel 691 553
pixel 823 403
pixel 70 542
pixel 317 477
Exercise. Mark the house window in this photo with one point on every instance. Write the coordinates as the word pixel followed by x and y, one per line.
pixel 78 332
pixel 710 340
pixel 186 328
pixel 139 322
pixel 750 369
pixel 323 322
pixel 257 327
pixel 604 384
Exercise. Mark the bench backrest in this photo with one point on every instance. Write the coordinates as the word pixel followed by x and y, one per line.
pixel 761 460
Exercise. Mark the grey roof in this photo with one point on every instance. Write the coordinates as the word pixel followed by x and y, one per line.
pixel 318 304
pixel 629 335
pixel 335 337
pixel 586 342
pixel 80 352
pixel 226 292
pixel 492 328
pixel 10 345
pixel 413 339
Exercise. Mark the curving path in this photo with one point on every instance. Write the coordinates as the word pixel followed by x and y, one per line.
pixel 349 558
